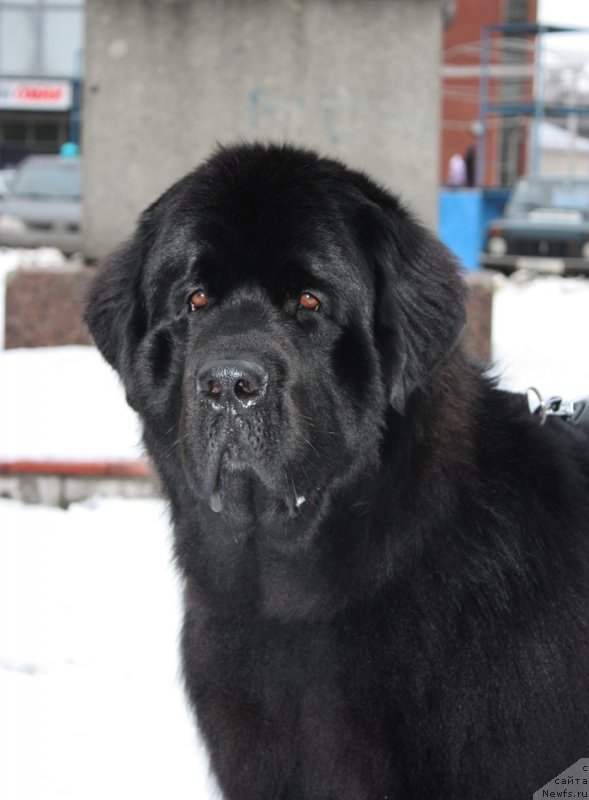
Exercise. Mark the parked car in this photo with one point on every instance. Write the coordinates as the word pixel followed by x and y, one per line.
pixel 43 205
pixel 545 228
pixel 6 177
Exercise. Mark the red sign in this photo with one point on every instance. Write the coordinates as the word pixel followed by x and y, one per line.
pixel 39 95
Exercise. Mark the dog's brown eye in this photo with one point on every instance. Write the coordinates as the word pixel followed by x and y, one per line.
pixel 308 301
pixel 198 299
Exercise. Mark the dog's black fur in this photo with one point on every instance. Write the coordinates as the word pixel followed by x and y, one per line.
pixel 385 557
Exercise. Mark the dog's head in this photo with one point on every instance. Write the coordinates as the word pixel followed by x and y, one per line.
pixel 269 309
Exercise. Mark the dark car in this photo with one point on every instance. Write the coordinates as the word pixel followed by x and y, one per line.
pixel 43 205
pixel 545 228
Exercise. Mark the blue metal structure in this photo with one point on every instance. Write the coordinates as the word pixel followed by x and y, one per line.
pixel 463 218
pixel 538 108
pixel 76 110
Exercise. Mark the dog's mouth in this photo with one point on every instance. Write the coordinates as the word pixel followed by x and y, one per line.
pixel 237 481
pixel 245 467
pixel 228 465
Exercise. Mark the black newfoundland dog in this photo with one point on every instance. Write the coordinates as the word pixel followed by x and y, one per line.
pixel 385 557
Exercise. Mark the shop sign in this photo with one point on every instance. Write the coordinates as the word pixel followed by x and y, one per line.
pixel 35 95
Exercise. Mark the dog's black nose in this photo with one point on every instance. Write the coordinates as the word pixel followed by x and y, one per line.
pixel 232 382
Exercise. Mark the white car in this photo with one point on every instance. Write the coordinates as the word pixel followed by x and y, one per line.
pixel 43 205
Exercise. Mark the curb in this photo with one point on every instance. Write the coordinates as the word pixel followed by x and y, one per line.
pixel 120 469
pixel 60 483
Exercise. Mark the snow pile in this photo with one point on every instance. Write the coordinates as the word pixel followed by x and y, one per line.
pixel 64 403
pixel 35 258
pixel 541 335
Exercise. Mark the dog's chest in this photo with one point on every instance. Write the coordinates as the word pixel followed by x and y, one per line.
pixel 285 700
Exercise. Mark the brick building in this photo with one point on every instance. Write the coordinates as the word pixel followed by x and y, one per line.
pixel 510 80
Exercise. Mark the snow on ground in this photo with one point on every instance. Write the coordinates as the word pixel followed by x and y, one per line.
pixel 92 707
pixel 91 701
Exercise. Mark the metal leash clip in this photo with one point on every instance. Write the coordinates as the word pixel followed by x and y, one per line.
pixel 551 407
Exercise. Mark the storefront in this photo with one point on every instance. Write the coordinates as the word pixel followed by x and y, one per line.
pixel 41 46
pixel 35 117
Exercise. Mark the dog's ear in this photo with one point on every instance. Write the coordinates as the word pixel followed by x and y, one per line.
pixel 420 295
pixel 115 313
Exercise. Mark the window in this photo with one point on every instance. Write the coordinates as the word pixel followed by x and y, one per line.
pixel 45 132
pixel 41 38
pixel 18 41
pixel 14 131
pixel 61 180
pixel 61 28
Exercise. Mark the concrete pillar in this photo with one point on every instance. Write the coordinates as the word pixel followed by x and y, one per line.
pixel 168 79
